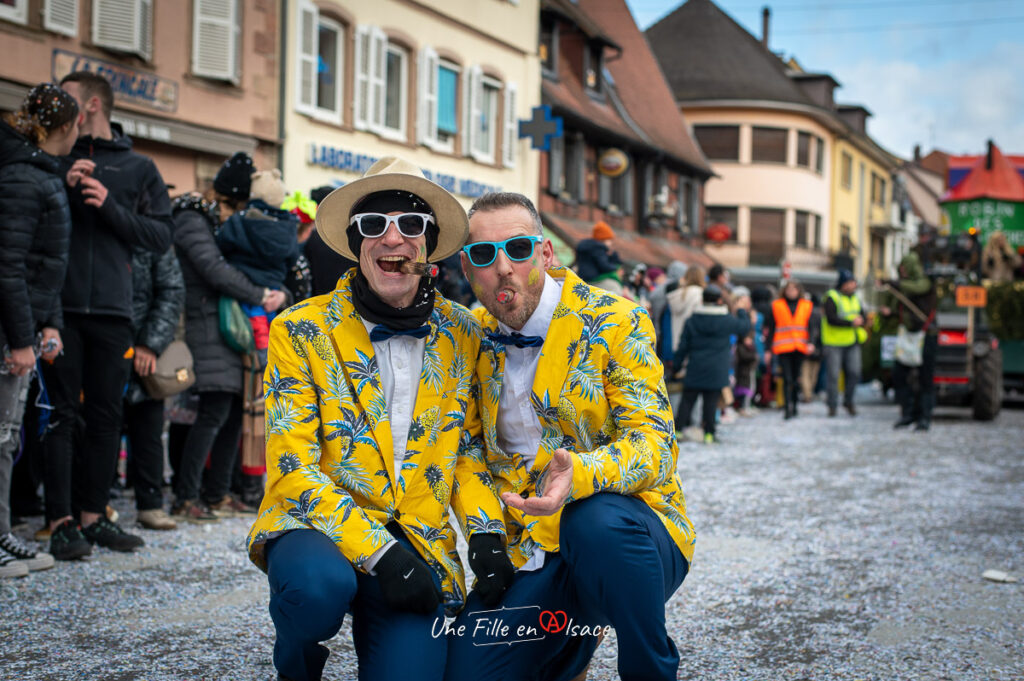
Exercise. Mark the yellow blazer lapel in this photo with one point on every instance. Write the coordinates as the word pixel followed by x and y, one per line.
pixel 561 351
pixel 360 364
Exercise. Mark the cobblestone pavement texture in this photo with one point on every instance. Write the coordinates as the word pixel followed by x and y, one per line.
pixel 827 549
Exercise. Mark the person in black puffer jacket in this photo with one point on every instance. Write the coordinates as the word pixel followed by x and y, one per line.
pixel 35 226
pixel 158 299
pixel 219 370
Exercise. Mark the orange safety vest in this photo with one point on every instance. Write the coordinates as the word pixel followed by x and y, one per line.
pixel 791 329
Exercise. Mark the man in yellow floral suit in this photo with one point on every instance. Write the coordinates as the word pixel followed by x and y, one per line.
pixel 580 444
pixel 372 434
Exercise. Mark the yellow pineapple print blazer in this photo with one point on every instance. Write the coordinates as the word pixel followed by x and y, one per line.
pixel 329 447
pixel 599 392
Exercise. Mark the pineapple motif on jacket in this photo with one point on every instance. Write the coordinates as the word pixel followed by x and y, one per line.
pixel 329 440
pixel 599 392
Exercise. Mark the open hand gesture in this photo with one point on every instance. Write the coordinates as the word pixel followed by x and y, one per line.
pixel 557 485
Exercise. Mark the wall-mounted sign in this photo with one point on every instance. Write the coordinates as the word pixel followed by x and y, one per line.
pixel 341 159
pixel 541 128
pixel 612 162
pixel 129 85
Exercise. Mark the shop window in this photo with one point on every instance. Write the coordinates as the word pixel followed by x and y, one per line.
pixel 566 167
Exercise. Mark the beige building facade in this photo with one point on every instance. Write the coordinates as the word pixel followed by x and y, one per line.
pixel 442 84
pixel 194 80
pixel 771 187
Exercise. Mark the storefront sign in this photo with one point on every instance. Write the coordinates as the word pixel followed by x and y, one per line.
pixel 129 85
pixel 341 159
pixel 612 162
pixel 987 216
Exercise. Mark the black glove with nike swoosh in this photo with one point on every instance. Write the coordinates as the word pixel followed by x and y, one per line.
pixel 492 567
pixel 406 582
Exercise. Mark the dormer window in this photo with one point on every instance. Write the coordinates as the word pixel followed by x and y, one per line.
pixel 592 66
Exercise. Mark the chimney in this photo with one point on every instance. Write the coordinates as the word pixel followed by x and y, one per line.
pixel 988 157
pixel 766 16
pixel 917 152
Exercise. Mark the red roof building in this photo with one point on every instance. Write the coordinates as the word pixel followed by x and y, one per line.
pixel 992 176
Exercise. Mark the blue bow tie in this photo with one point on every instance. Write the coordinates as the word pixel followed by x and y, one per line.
pixel 383 333
pixel 517 339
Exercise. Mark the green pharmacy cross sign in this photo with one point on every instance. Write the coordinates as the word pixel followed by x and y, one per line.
pixel 987 216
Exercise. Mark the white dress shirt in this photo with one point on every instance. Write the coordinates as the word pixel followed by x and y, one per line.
pixel 399 361
pixel 518 428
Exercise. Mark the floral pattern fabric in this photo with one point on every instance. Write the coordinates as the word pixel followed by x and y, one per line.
pixel 329 442
pixel 599 392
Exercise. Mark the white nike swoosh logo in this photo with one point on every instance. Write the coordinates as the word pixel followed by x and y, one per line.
pixel 409 575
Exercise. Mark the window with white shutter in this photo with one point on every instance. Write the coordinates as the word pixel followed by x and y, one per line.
pixel 378 77
pixel 61 16
pixel 486 121
pixel 320 49
pixel 217 31
pixel 305 80
pixel 124 26
pixel 511 138
pixel 361 95
pixel 426 99
pixel 14 10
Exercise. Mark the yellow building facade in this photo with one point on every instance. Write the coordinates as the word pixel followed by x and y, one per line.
pixel 442 84
pixel 861 192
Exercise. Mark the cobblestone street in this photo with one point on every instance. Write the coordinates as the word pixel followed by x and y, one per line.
pixel 827 549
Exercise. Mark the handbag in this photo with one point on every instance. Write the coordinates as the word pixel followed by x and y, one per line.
pixel 174 372
pixel 234 325
pixel 909 347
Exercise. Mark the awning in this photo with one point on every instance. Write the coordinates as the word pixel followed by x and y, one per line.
pixel 632 248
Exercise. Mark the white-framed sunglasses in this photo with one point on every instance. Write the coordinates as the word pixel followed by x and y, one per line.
pixel 374 225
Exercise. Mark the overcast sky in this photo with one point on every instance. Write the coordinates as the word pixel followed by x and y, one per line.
pixel 945 74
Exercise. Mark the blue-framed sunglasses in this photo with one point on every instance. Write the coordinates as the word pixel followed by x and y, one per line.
pixel 517 249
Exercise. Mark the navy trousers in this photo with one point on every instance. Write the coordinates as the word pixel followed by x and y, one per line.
pixel 313 586
pixel 617 566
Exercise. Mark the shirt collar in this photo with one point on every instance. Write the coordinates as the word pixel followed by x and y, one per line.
pixel 540 320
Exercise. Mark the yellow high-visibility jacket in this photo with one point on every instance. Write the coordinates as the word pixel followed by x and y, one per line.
pixel 599 392
pixel 329 449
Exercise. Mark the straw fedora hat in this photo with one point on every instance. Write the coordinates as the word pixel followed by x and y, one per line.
pixel 391 172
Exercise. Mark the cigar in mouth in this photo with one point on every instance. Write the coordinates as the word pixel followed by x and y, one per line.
pixel 423 269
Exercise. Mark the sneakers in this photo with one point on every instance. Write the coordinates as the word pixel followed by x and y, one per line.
pixel 193 512
pixel 35 560
pixel 709 439
pixel 230 507
pixel 111 535
pixel 68 543
pixel 11 566
pixel 903 422
pixel 851 409
pixel 156 519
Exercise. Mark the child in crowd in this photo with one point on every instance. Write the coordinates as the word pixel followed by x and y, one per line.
pixel 261 241
pixel 706 343
pixel 746 358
